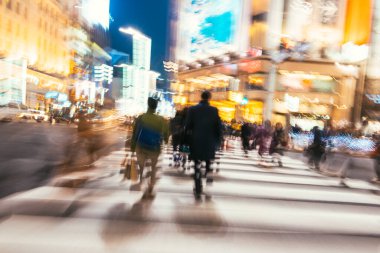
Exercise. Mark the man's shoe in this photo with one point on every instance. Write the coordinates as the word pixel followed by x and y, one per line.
pixel 209 180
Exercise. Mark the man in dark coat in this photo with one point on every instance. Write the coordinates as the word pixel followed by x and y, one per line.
pixel 205 128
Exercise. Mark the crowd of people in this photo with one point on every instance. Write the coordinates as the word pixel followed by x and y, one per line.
pixel 197 133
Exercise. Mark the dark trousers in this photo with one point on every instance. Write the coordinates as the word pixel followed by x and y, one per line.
pixel 198 175
pixel 245 143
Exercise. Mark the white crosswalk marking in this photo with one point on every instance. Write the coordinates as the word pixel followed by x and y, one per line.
pixel 252 206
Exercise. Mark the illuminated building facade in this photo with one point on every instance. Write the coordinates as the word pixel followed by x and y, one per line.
pixel 136 81
pixel 303 63
pixel 34 32
pixel 54 40
pixel 371 100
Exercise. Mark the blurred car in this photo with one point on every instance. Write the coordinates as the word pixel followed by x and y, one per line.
pixel 10 111
pixel 34 114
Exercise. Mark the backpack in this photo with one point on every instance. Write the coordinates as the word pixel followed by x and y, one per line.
pixel 148 139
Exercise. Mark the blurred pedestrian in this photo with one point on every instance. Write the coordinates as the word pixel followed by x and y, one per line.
pixel 253 138
pixel 84 139
pixel 204 124
pixel 245 136
pixel 296 129
pixel 264 137
pixel 376 160
pixel 149 131
pixel 278 143
pixel 176 131
pixel 317 148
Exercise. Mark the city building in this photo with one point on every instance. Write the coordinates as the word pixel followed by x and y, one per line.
pixel 136 80
pixel 34 50
pixel 295 61
pixel 91 69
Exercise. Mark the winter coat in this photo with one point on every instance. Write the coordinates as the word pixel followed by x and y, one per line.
pixel 205 129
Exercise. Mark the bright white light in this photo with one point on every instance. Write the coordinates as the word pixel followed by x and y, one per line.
pixel 130 31
pixel 96 12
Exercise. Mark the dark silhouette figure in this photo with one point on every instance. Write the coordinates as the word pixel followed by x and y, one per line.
pixel 205 128
pixel 246 133
pixel 316 149
pixel 276 149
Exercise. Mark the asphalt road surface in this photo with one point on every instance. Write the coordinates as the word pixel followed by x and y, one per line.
pixel 31 153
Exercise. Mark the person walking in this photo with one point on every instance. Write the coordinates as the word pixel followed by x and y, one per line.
pixel 376 160
pixel 84 140
pixel 205 128
pixel 176 131
pixel 253 137
pixel 245 136
pixel 149 131
pixel 316 149
pixel 264 137
pixel 277 144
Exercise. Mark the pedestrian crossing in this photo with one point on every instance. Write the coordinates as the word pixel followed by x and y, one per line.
pixel 252 206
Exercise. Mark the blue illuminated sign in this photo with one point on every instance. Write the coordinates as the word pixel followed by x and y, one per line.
pixel 208 27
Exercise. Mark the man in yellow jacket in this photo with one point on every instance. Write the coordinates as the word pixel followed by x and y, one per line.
pixel 149 131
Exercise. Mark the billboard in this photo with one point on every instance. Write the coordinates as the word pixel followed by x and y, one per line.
pixel 208 28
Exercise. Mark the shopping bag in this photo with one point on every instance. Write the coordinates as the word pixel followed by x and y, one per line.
pixel 134 174
pixel 130 171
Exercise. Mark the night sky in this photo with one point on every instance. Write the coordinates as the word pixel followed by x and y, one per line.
pixel 151 17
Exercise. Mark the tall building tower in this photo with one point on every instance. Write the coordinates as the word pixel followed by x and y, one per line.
pixel 138 81
pixel 141 51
